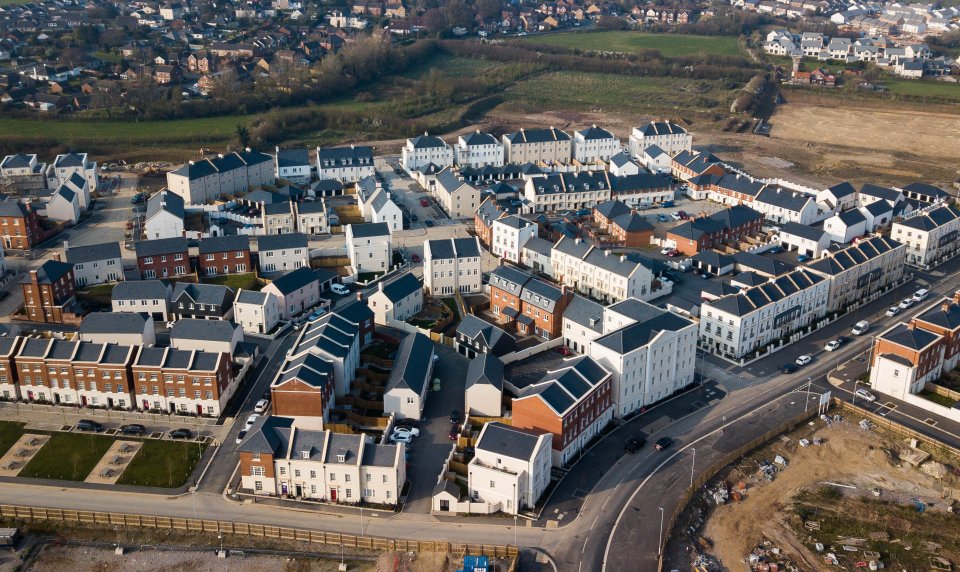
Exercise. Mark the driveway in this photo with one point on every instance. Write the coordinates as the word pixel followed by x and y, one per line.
pixel 430 450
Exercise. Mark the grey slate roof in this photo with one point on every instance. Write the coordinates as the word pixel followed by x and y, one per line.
pixel 913 338
pixel 509 278
pixel 370 230
pixel 18 161
pixel 295 280
pixel 427 141
pixel 293 157
pixel 165 201
pixel 160 246
pixel 804 231
pixel 210 330
pixel 661 128
pixel 931 220
pixel 485 369
pixel 945 314
pixel 508 441
pixel 849 257
pixel 563 388
pixel 537 136
pixel 581 310
pixel 376 455
pixel 112 322
pixel 281 241
pixel 251 297
pixel 783 198
pixel 216 244
pixel 49 272
pixel 35 347
pixel 411 364
pixel 401 287
pixel 203 293
pixel 348 445
pixel 270 434
pixel 140 290
pixel 539 245
pixel 92 252
pixel 593 132
pixel 542 295
pixel 851 217
pixel 612 208
pixel 751 299
pixel 479 138
pixel 496 339
pixel 352 156
pixel 879 192
pixel 12 208
pixel 641 333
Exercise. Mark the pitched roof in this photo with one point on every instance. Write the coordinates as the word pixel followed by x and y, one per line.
pixel 167 202
pixel 485 369
pixel 879 192
pixel 563 388
pixel 509 278
pixel 210 330
pixel 930 220
pixel 269 434
pixel 585 312
pixel 414 357
pixel 612 208
pixel 92 252
pixel 228 243
pixel 251 297
pixel 945 313
pixel 639 334
pixel 803 231
pixel 508 441
pixel 542 294
pixel 139 290
pixel 851 217
pixel 353 155
pixel 496 339
pixel 751 299
pixel 661 128
pixel 113 323
pixel 401 287
pixel 294 280
pixel 479 138
pixel 203 293
pixel 594 133
pixel 370 229
pixel 49 272
pixel 293 157
pixel 910 337
pixel 160 246
pixel 281 241
pixel 426 141
pixel 785 199
pixel 537 136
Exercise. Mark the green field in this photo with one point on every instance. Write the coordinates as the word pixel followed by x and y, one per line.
pixel 670 45
pixel 165 464
pixel 606 92
pixel 924 87
pixel 10 432
pixel 68 456
pixel 179 131
pixel 450 66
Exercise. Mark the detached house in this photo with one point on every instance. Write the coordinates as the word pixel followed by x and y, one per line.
pixel 669 137
pixel 163 258
pixel 49 292
pixel 510 470
pixel 452 265
pixel 95 263
pixel 484 389
pixel 458 198
pixel 202 301
pixel 397 301
pixel 476 337
pixel 479 149
pixel 369 248
pixel 281 252
pixel 256 312
pixel 409 379
pixel 164 218
pixel 151 297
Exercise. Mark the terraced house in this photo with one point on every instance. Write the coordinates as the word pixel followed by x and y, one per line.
pixel 537 145
pixel 208 179
pixel 425 150
pixel 669 137
pixel 599 274
pixel 163 258
pixel 219 255
pixel 595 144
pixel 567 191
pixel 347 164
pixel 180 381
pixel 479 149
pixel 530 305
pixel 49 292
pixel 452 265
pixel 729 226
pixel 930 235
pixel 19 225
pixel 859 271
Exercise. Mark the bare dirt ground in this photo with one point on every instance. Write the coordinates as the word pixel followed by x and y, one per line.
pixel 848 456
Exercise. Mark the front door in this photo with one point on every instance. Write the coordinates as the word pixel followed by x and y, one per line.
pixel 146 405
pixel 444 505
pixel 29 396
pixel 83 400
pixel 333 495
pixel 299 490
pixel 199 409
pixel 109 403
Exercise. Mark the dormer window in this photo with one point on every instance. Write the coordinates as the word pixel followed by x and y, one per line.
pixel 341 457
pixel 305 454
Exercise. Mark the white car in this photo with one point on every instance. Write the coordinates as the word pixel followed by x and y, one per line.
pixel 906 303
pixel 250 421
pixel 261 405
pixel 401 438
pixel 666 250
pixel 832 345
pixel 804 360
pixel 893 311
pixel 866 395
pixel 412 431
pixel 340 289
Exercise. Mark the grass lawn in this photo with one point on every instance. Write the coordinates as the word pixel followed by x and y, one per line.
pixel 670 45
pixel 13 2
pixel 452 304
pixel 937 398
pixel 162 464
pixel 247 281
pixel 9 433
pixel 924 87
pixel 99 294
pixel 451 66
pixel 68 456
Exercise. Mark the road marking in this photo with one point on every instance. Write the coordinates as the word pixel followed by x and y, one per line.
pixel 584 549
pixel 603 507
pixel 594 523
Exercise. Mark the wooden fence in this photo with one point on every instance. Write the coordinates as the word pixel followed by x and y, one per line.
pixel 112 519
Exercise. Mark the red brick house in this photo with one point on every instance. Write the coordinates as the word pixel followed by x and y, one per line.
pixel 49 292
pixel 163 258
pixel 224 255
pixel 304 388
pixel 19 225
pixel 181 381
pixel 532 306
pixel 727 226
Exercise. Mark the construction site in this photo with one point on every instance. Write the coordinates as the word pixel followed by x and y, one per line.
pixel 838 493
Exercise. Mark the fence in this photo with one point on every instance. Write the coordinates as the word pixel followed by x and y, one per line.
pixel 88 517
pixel 895 427
pixel 533 350
pixel 723 462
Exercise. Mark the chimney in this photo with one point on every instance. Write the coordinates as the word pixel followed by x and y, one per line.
pixel 220 155
pixel 945 307
pixel 192 163
pixel 247 149
pixel 56 256
pixel 33 276
pixel 606 253
pixel 277 149
pixel 623 258
pixel 956 297
pixel 66 246
pixel 380 286
pixel 359 295
pixel 576 240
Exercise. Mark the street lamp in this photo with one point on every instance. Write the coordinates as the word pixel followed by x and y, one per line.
pixel 660 543
pixel 806 402
pixel 692 464
pixel 515 543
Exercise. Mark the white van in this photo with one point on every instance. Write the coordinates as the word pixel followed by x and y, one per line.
pixel 921 295
pixel 860 327
pixel 339 289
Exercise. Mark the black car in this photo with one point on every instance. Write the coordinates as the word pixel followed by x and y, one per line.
pixel 455 417
pixel 428 222
pixel 89 425
pixel 788 368
pixel 181 434
pixel 133 429
pixel 663 443
pixel 634 444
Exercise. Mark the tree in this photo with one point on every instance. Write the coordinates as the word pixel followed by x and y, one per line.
pixel 488 9
pixel 243 135
pixel 611 23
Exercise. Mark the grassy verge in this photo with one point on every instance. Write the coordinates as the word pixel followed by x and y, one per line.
pixel 921 87
pixel 937 398
pixel 10 432
pixel 162 464
pixel 68 456
pixel 670 45
pixel 247 281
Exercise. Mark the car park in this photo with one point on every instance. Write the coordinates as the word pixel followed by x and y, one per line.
pixel 865 395
pixel 339 289
pixel 89 425
pixel 132 429
pixel 860 328
pixel 181 433
pixel 251 420
pixel 803 360
pixel 788 368
pixel 663 443
pixel 906 303
pixel 634 444
pixel 261 406
pixel 893 311
pixel 240 436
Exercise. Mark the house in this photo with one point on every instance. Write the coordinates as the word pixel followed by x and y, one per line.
pixel 424 150
pixel 598 274
pixel 738 324
pixel 162 258
pixel 224 255
pixel 409 379
pixel 293 165
pixel 475 337
pixel 117 328
pixel 622 164
pixel 924 193
pixel 688 165
pixel 184 382
pixel 479 149
pixel 304 389
pixel 369 248
pixel 95 263
pixel 783 205
pixel 452 265
pixel 347 164
pixel 68 164
pixel 509 235
pixel 256 312
pixel 839 197
pixel 728 226
pixel 215 336
pixel 279 217
pixel 76 372
pixel 201 301
pixel 803 239
pixel 383 209
pixel 458 198
pixel 595 144
pixel 942 317
pixel 860 270
pixel 484 389
pixel 204 180
pixel 510 469
pixel 669 137
pixel 9 386
pixel 904 358
pixel 573 403
pixel 567 191
pixel 49 292
pixel 532 306
pixel 930 235
pixel 490 210
pixel 642 189
pixel 312 218
pixel 537 146
pixel 582 323
pixel 535 255
pixel 20 225
pixel 279 458
pixel 150 297
pixel 63 206
pixel 870 193
pixel 845 226
pixel 282 252
pixel 297 291
pixel 397 301
pixel 164 218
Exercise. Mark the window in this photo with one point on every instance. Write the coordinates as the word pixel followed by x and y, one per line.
pixel 333 476
pixel 283 470
pixel 256 456
pixel 346 478
pixel 296 472
pixel 257 471
pixel 493 484
pixel 349 493
pixel 257 486
pixel 313 474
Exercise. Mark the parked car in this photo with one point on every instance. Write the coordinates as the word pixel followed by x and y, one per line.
pixel 129 224
pixel 89 425
pixel 775 250
pixel 921 295
pixel 906 303
pixel 788 368
pixel 436 384
pixel 803 360
pixel 802 258
pixel 181 433
pixel 261 406
pixel 240 436
pixel 251 420
pixel 137 199
pixel 683 215
pixel 675 216
pixel 663 443
pixel 415 258
pixel 455 417
pixel 673 253
pixel 634 444
pixel 454 432
pixel 339 289
pixel 132 429
pixel 563 350
pixel 832 345
pixel 860 328
pixel 428 222
pixel 866 395
pixel 843 340
pixel 893 311
pixel 401 438
pixel 412 431
pixel 662 218
pixel 666 204
pixel 424 203
pixel 666 250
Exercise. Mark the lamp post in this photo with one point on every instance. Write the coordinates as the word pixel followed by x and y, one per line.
pixel 361 521
pixel 515 543
pixel 806 401
pixel 660 543
pixel 692 464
